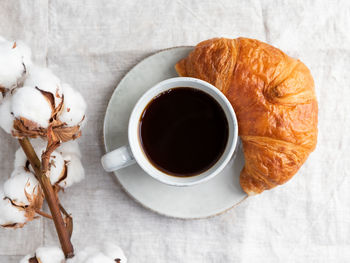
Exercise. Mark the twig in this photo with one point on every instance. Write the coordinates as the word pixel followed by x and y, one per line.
pixel 50 197
pixel 64 211
pixel 2 91
pixel 42 213
pixel 68 219
pixel 33 260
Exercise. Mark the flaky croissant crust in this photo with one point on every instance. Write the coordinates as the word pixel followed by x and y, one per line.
pixel 274 99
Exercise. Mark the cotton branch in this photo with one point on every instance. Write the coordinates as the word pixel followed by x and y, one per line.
pixel 36 105
pixel 50 196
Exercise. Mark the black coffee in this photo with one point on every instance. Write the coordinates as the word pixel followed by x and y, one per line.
pixel 183 131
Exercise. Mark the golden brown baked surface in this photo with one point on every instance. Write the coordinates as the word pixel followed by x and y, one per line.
pixel 274 99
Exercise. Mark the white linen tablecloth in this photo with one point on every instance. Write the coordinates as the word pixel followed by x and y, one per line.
pixel 92 44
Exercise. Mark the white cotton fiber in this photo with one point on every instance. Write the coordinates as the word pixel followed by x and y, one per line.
pixel 82 255
pixel 75 171
pixel 74 106
pixel 46 255
pixel 44 79
pixel 69 148
pixel 105 253
pixel 6 118
pixel 26 54
pixel 49 255
pixel 113 251
pixel 11 66
pixel 29 103
pixel 26 259
pixel 21 159
pixel 56 161
pixel 20 183
pixel 10 214
pixel 57 166
pixel 99 258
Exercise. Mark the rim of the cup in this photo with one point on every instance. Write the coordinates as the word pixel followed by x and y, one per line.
pixel 135 143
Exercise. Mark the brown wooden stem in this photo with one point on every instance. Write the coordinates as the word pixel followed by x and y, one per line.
pixel 3 91
pixel 33 260
pixel 68 219
pixel 50 196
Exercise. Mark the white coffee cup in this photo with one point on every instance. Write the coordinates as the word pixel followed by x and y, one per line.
pixel 128 155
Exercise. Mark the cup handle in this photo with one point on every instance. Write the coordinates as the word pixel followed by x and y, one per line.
pixel 117 159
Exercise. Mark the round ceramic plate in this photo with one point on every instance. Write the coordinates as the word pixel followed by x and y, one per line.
pixel 204 200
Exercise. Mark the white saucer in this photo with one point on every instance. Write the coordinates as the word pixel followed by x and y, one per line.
pixel 204 200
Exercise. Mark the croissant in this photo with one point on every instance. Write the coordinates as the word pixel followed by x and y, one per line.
pixel 274 100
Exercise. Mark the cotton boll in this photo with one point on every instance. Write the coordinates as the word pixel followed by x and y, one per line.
pixel 39 146
pixel 69 148
pixel 10 214
pixel 113 251
pixel 26 53
pixel 46 255
pixel 20 160
pixel 19 184
pixel 91 254
pixel 83 255
pixel 26 259
pixel 107 253
pixel 29 103
pixel 99 258
pixel 45 80
pixel 57 164
pixel 75 171
pixel 49 255
pixel 11 66
pixel 6 118
pixel 57 167
pixel 23 196
pixel 74 106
